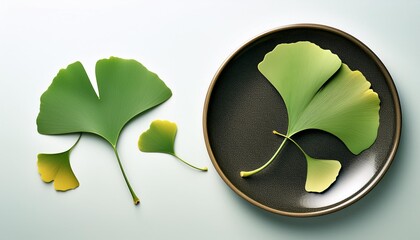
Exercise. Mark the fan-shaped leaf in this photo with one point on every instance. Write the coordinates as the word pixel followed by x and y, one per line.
pixel 342 104
pixel 126 89
pixel 347 108
pixel 160 137
pixel 321 93
pixel 56 167
pixel 320 173
pixel 298 71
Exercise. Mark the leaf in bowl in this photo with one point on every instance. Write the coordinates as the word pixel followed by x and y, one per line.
pixel 320 92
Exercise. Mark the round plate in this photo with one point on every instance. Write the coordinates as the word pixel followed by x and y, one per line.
pixel 242 109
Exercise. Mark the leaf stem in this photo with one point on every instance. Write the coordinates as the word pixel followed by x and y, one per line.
pixel 136 200
pixel 180 159
pixel 250 173
pixel 293 141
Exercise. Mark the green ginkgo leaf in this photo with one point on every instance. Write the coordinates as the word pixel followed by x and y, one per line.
pixel 126 89
pixel 320 92
pixel 160 138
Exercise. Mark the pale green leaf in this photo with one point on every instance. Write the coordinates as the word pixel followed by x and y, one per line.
pixel 343 105
pixel 320 92
pixel 160 137
pixel 298 71
pixel 320 173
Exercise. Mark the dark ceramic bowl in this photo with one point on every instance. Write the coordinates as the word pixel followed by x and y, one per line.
pixel 242 108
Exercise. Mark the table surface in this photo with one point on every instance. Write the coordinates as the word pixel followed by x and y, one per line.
pixel 185 42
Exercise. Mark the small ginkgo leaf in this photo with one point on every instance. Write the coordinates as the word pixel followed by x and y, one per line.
pixel 320 174
pixel 160 137
pixel 126 89
pixel 56 167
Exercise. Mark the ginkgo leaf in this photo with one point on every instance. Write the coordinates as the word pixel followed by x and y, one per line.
pixel 160 137
pixel 320 92
pixel 126 89
pixel 56 167
pixel 320 173
pixel 345 106
pixel 298 71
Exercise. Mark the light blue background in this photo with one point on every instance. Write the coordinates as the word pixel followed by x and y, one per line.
pixel 184 42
